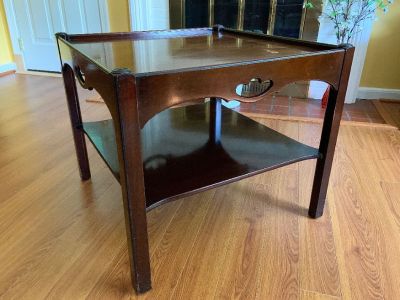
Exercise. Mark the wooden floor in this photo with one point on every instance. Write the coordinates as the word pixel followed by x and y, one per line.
pixel 64 239
pixel 390 110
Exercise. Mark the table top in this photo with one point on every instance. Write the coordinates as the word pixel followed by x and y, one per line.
pixel 176 50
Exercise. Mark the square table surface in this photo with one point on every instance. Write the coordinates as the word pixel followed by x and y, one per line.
pixel 205 49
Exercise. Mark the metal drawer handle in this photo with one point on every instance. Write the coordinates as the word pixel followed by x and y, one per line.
pixel 254 88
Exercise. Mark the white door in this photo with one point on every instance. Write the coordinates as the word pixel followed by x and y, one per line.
pixel 39 20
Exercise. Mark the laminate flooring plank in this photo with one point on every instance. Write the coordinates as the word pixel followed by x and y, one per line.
pixel 319 265
pixel 114 282
pixel 308 295
pixel 61 238
pixel 257 266
pixel 369 250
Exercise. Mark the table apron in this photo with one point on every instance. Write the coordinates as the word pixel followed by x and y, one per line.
pixel 158 92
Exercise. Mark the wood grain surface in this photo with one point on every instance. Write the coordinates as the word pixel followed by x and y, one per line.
pixel 389 110
pixel 61 238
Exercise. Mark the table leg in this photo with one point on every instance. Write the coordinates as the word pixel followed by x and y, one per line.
pixel 76 121
pixel 127 132
pixel 215 120
pixel 324 162
pixel 329 135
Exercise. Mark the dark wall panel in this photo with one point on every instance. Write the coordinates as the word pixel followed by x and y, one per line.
pixel 256 14
pixel 196 13
pixel 226 12
pixel 288 18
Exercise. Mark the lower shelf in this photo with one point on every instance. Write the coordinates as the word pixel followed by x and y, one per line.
pixel 179 159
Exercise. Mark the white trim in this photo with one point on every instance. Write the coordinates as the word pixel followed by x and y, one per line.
pixel 149 14
pixel 360 41
pixel 12 26
pixel 104 15
pixel 138 13
pixel 378 93
pixel 8 67
pixel 40 73
pixel 131 14
pixel 84 19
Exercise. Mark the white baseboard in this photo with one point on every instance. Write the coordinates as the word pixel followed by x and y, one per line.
pixel 39 73
pixel 377 93
pixel 8 67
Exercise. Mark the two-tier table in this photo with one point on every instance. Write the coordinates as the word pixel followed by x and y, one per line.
pixel 158 148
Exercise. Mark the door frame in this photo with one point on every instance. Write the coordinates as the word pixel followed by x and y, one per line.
pixel 15 32
pixel 141 15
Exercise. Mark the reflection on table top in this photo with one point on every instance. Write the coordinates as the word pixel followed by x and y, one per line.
pixel 168 54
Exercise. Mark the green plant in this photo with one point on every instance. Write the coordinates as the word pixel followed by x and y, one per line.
pixel 348 15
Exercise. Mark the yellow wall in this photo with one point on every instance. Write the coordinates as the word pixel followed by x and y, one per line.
pixel 6 54
pixel 118 11
pixel 382 64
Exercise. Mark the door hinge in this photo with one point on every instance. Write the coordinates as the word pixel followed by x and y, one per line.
pixel 21 44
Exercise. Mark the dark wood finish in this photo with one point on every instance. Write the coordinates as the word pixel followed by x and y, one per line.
pixel 329 135
pixel 158 153
pixel 221 83
pixel 285 40
pixel 180 157
pixel 215 121
pixel 188 53
pixel 76 121
pixel 138 35
pixel 192 49
pixel 127 137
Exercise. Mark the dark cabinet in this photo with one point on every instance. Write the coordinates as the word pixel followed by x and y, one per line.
pixel 288 18
pixel 196 14
pixel 226 13
pixel 256 15
pixel 279 17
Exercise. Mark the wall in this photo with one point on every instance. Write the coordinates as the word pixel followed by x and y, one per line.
pixel 119 21
pixel 381 67
pixel 118 11
pixel 382 64
pixel 6 54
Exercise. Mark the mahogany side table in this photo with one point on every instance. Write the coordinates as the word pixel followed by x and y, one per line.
pixel 158 152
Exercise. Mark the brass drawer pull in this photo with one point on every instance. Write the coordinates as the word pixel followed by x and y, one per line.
pixel 81 76
pixel 254 88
